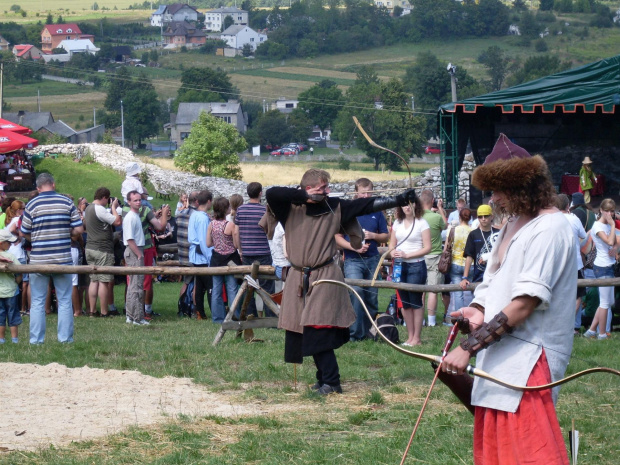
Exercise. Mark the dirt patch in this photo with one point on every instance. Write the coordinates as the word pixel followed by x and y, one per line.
pixel 53 404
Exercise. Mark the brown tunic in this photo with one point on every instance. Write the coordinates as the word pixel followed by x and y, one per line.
pixel 310 242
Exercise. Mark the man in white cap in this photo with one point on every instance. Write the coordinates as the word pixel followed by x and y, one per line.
pixel 132 183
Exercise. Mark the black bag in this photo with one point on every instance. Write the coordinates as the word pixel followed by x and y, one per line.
pixel 387 326
pixel 186 305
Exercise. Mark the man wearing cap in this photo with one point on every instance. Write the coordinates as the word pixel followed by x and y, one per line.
pixel 132 183
pixel 478 247
pixel 587 178
pixel 522 314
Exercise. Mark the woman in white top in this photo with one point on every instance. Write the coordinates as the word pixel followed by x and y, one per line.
pixel 410 240
pixel 603 234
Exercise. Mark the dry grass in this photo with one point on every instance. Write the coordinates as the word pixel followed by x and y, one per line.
pixel 287 173
pixel 64 107
pixel 258 88
pixel 319 72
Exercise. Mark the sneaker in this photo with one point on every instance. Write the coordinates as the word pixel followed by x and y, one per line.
pixel 602 337
pixel 147 317
pixel 327 389
pixel 142 322
pixel 153 314
pixel 2 341
pixel 14 340
pixel 113 313
pixel 589 334
pixel 128 320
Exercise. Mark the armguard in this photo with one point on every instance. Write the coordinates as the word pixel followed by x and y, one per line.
pixel 488 333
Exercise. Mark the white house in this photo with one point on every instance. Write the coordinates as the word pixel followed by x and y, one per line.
pixel 214 19
pixel 237 36
pixel 78 46
pixel 175 12
pixel 284 105
pixel 390 4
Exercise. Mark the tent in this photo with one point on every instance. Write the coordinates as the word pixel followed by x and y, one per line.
pixel 11 141
pixel 10 126
pixel 575 108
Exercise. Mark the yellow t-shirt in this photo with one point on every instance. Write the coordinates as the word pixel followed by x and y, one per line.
pixel 460 239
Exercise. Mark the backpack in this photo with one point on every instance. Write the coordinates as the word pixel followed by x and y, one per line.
pixel 186 305
pixel 387 326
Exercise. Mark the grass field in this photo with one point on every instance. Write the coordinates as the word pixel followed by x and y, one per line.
pixel 369 424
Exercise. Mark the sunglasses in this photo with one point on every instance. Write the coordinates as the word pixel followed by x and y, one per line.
pixel 484 216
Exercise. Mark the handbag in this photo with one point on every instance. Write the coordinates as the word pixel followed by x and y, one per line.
pixel 445 260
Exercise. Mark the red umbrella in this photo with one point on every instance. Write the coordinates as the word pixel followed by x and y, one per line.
pixel 11 141
pixel 9 126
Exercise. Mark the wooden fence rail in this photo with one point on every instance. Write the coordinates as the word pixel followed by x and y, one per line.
pixel 264 272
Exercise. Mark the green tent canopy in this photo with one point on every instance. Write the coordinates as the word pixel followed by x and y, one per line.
pixel 591 88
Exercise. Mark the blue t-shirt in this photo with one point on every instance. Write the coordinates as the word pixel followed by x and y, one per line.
pixel 373 222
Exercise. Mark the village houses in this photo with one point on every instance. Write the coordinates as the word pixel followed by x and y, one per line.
pixel 214 19
pixel 173 13
pixel 53 34
pixel 236 36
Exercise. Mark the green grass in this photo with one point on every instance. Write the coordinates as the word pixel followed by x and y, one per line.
pixel 45 88
pixel 292 76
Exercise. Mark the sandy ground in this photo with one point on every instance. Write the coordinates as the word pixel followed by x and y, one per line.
pixel 53 404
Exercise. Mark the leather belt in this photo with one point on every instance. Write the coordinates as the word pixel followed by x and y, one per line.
pixel 305 271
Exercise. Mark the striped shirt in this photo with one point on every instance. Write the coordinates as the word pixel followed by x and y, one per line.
pixel 182 235
pixel 49 218
pixel 253 238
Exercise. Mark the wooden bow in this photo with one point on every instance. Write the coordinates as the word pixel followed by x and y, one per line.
pixel 470 369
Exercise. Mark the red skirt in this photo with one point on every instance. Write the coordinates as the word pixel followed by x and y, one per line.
pixel 531 435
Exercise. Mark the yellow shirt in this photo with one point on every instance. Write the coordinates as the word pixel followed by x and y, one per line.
pixel 460 239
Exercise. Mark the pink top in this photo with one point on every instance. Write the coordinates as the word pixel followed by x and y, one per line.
pixel 222 243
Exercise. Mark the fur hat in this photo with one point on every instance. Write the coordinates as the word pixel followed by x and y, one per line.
pixel 509 166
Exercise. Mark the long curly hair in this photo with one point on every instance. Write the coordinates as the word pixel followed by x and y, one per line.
pixel 526 182
pixel 13 211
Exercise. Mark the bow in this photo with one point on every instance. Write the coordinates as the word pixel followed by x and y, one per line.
pixel 374 144
pixel 470 369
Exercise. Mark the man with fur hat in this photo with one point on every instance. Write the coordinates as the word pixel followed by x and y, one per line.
pixel 587 178
pixel 529 290
pixel 317 320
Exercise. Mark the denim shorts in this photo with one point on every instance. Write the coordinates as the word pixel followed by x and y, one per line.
pixel 413 273
pixel 9 311
pixel 606 294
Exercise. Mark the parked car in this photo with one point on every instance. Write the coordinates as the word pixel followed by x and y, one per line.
pixel 288 151
pixel 276 153
pixel 272 147
pixel 432 149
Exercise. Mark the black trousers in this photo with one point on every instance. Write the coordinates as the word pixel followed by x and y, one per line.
pixel 327 371
pixel 203 285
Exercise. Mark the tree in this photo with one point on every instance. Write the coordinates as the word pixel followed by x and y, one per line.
pixel 49 19
pixel 212 148
pixel 546 5
pixel 141 111
pixel 228 21
pixel 205 85
pixel 497 65
pixel 538 66
pixel 145 58
pixel 247 50
pixel 299 125
pixel 272 129
pixel 321 102
pixel 154 56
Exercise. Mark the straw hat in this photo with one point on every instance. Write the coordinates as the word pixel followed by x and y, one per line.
pixel 586 161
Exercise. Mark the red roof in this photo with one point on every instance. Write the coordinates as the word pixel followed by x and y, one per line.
pixel 62 29
pixel 22 49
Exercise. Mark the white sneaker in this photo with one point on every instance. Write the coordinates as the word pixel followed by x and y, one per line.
pixel 128 320
pixel 141 322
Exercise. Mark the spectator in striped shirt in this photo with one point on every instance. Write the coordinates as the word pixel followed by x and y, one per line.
pixel 50 221
pixel 251 240
pixel 182 236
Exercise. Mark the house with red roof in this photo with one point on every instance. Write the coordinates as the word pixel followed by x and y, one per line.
pixel 26 52
pixel 53 34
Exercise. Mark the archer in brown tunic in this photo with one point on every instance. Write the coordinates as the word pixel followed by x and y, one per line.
pixel 317 320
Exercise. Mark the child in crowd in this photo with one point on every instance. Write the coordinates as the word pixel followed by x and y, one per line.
pixel 235 202
pixel 9 310
pixel 182 204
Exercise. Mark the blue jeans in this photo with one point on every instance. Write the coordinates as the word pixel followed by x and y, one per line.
pixel 9 311
pixel 460 298
pixel 413 273
pixel 218 310
pixel 362 268
pixel 38 286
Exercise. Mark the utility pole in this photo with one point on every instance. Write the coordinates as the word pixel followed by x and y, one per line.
pixel 94 116
pixel 122 126
pixel 38 100
pixel 412 104
pixel 452 72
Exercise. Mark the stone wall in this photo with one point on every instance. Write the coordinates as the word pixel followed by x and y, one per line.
pixel 177 182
